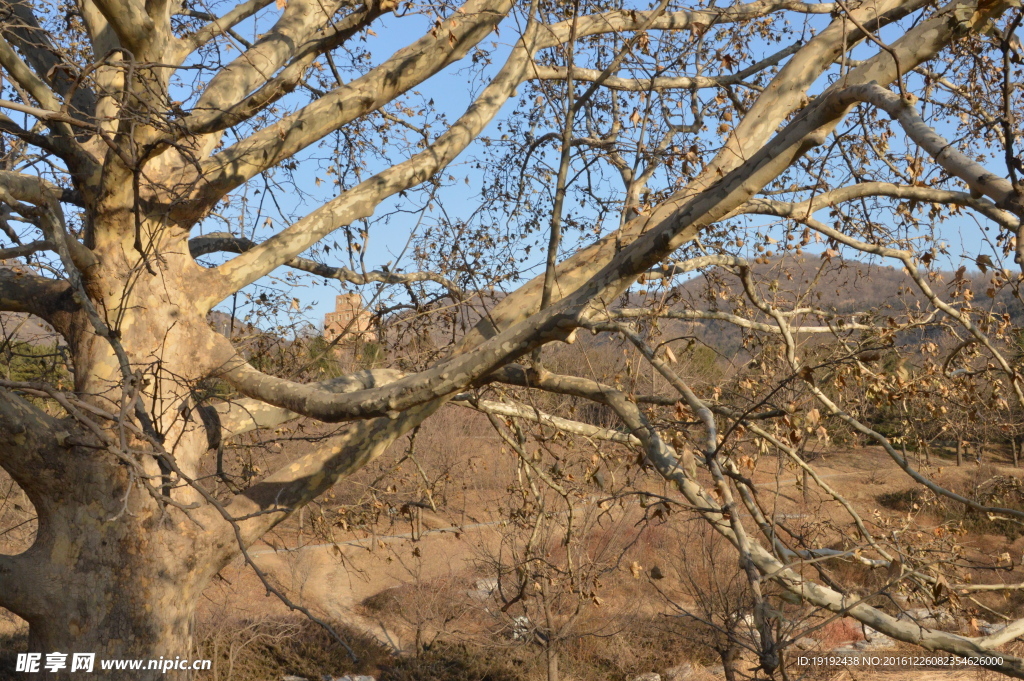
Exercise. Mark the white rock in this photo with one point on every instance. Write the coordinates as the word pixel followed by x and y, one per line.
pixel 927 617
pixel 987 628
pixel 649 676
pixel 484 589
pixel 521 628
pixel 488 586
pixel 681 672
pixel 805 643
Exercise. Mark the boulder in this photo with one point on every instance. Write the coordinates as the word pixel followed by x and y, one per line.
pixel 484 589
pixel 806 643
pixel 687 671
pixel 649 676
pixel 928 617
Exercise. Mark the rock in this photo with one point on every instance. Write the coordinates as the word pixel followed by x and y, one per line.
pixel 290 677
pixel 687 671
pixel 805 643
pixel 521 627
pixel 484 589
pixel 927 617
pixel 874 640
pixel 649 676
pixel 681 672
pixel 987 629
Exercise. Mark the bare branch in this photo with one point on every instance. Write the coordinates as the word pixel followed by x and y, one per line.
pixel 767 206
pixel 241 416
pixel 361 200
pixel 228 243
pixel 297 483
pixel 25 33
pixel 532 414
pixel 225 23
pixel 976 176
pixel 621 20
pixel 287 39
pixel 661 82
pixel 212 119
pixel 403 71
pixel 762 120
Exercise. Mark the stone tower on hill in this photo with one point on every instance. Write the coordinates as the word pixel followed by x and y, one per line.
pixel 349 319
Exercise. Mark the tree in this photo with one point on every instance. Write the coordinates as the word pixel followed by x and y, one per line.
pixel 129 129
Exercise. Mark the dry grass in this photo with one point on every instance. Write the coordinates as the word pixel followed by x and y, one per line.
pixel 270 647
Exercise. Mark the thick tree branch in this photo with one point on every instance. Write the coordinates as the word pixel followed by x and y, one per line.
pixel 29 442
pixel 833 197
pixel 241 416
pixel 808 129
pixel 226 22
pixel 778 101
pixel 24 292
pixel 213 120
pixel 26 78
pixel 272 500
pixel 406 69
pixel 736 320
pixel 976 176
pixel 287 40
pixel 622 20
pixel 228 243
pixel 361 200
pixel 24 32
pixel 130 22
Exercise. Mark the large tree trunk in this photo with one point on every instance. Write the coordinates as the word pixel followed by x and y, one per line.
pixel 118 571
pixel 119 606
pixel 110 573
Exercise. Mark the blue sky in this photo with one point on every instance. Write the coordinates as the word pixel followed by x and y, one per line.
pixel 450 92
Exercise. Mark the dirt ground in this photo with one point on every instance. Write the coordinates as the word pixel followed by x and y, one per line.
pixel 337 580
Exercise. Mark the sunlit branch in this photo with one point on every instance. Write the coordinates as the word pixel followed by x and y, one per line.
pixel 529 413
pixel 216 26
pixel 833 197
pixel 618 21
pixel 208 118
pixel 361 200
pixel 403 71
pixel 228 243
pixel 661 82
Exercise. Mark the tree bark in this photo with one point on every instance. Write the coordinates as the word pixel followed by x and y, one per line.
pixel 552 661
pixel 730 662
